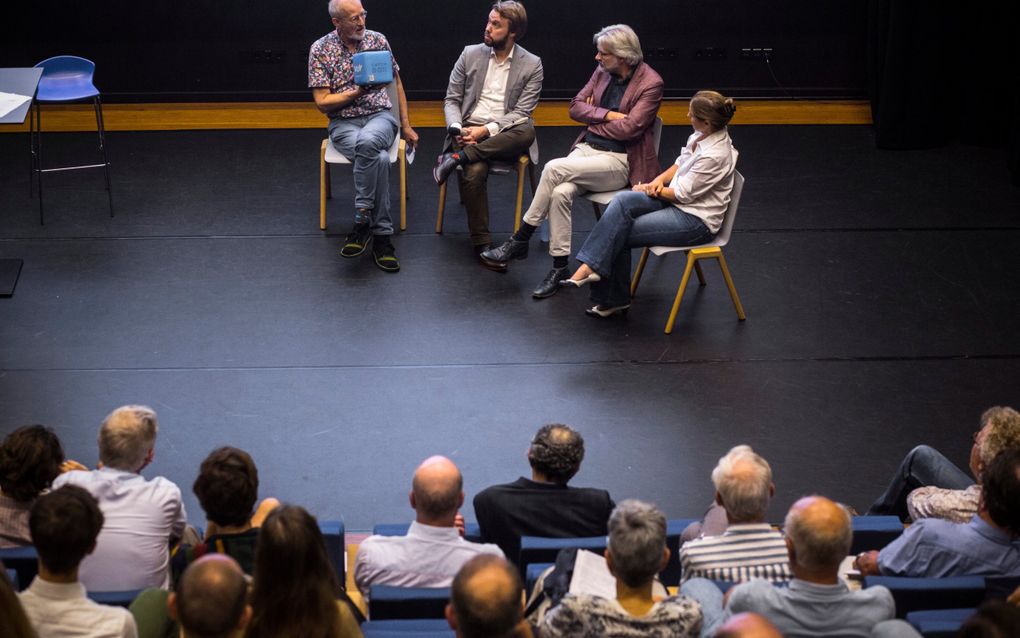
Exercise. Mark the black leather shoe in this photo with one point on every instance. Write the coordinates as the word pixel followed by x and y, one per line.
pixel 510 249
pixel 550 284
pixel 445 165
pixel 497 267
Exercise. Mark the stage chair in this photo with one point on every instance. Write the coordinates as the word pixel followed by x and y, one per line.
pixel 65 78
pixel 24 561
pixel 398 154
pixel 874 532
pixel 603 198
pixel 916 594
pixel 391 603
pixel 527 160
pixel 333 537
pixel 472 532
pixel 711 250
pixel 939 623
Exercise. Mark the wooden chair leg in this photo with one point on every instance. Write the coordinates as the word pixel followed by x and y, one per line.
pixel 636 279
pixel 323 185
pixel 697 269
pixel 522 163
pixel 733 290
pixel 442 207
pixel 691 259
pixel 401 159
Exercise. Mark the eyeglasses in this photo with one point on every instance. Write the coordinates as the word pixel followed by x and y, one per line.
pixel 358 17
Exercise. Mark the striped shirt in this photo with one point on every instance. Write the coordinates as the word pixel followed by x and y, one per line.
pixel 743 552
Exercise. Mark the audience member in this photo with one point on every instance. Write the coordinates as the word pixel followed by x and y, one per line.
pixel 928 485
pixel 142 516
pixel 64 525
pixel 13 621
pixel 544 505
pixel 433 551
pixel 993 619
pixel 227 488
pixel 617 147
pixel 986 546
pixel 637 552
pixel 817 602
pixel 30 458
pixel 296 593
pixel 493 90
pixel 749 548
pixel 211 599
pixel 486 600
pixel 747 625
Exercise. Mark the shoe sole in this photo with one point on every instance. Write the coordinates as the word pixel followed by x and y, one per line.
pixel 386 267
pixel 361 252
pixel 591 312
pixel 536 295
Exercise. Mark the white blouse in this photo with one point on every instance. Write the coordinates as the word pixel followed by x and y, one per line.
pixel 703 181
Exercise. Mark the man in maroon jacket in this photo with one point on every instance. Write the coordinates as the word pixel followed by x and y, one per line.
pixel 618 105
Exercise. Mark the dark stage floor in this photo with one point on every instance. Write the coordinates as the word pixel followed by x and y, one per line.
pixel 880 288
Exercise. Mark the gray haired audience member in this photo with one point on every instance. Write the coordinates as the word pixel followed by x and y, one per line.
pixel 142 516
pixel 486 600
pixel 211 599
pixel 748 625
pixel 749 547
pixel 817 602
pixel 637 552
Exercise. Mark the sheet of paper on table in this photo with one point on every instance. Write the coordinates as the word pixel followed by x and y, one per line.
pixel 11 101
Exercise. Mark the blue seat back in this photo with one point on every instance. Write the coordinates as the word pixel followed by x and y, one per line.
pixel 939 623
pixel 333 536
pixel 24 561
pixel 874 532
pixel 915 594
pixel 66 78
pixel 423 627
pixel 115 598
pixel 386 602
pixel 531 574
pixel 472 532
pixel 539 549
pixel 670 576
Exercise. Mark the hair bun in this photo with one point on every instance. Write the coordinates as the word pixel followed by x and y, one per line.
pixel 730 106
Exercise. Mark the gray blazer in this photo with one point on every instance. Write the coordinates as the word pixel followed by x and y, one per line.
pixel 522 87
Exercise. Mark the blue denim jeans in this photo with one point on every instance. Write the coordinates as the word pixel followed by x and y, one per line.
pixel 366 142
pixel 632 220
pixel 710 597
pixel 921 467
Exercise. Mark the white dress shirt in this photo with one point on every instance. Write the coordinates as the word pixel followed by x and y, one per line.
pixel 493 96
pixel 703 181
pixel 427 557
pixel 140 518
pixel 59 610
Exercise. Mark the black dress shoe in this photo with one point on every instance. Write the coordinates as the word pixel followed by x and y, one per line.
pixel 550 284
pixel 510 249
pixel 445 164
pixel 497 267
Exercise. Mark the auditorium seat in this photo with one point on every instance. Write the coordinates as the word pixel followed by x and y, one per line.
pixel 471 530
pixel 915 594
pixel 386 602
pixel 333 536
pixel 24 561
pixel 939 623
pixel 874 532
pixel 115 598
pixel 423 627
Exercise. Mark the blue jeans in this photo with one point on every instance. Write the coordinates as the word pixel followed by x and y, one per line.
pixel 632 220
pixel 366 142
pixel 921 467
pixel 710 597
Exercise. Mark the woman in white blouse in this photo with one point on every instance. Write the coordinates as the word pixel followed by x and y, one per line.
pixel 684 206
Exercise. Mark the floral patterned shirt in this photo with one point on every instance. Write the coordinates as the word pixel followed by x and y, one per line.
pixel 584 616
pixel 330 65
pixel 958 506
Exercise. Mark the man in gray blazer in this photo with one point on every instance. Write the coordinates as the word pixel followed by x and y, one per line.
pixel 494 88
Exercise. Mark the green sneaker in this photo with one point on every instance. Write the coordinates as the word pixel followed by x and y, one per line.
pixel 357 240
pixel 382 252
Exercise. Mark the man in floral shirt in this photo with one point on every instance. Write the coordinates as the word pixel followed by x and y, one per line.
pixel 361 126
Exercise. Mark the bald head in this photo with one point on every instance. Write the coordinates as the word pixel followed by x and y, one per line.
pixel 437 491
pixel 127 437
pixel 818 534
pixel 210 601
pixel 485 598
pixel 748 625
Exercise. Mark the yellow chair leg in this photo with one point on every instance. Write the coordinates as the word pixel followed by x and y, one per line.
pixel 401 157
pixel 522 163
pixel 701 275
pixel 323 185
pixel 442 207
pixel 636 279
pixel 733 290
pixel 691 260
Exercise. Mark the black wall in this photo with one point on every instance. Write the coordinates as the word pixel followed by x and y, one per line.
pixel 202 50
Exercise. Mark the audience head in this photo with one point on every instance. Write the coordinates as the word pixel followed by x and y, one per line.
pixel 30 459
pixel 485 598
pixel 295 587
pixel 1000 490
pixel 620 40
pixel 712 108
pixel 1000 430
pixel 210 600
pixel 556 453
pixel 13 621
pixel 818 536
pixel 64 524
pixel 993 619
pixel 637 542
pixel 743 485
pixel 747 625
pixel 437 491
pixel 515 15
pixel 227 486
pixel 127 438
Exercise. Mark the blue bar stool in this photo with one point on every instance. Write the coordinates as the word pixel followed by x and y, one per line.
pixel 65 78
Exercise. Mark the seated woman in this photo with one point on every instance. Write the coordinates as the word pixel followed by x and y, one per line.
pixel 683 206
pixel 636 553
